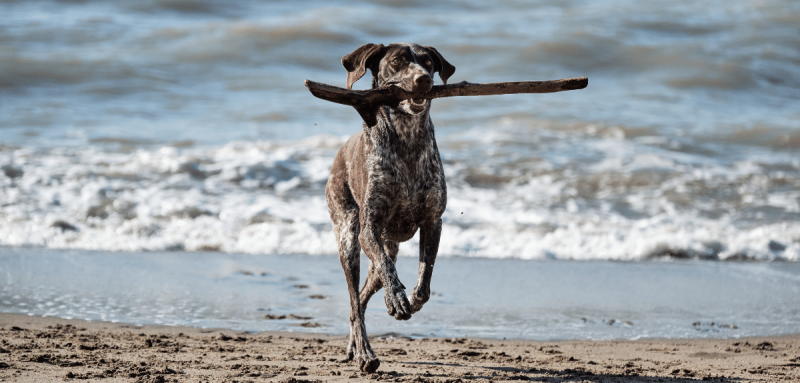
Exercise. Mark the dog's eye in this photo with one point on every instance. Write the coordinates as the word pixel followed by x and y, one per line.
pixel 427 62
pixel 397 61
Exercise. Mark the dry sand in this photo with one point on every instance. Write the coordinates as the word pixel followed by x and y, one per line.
pixel 36 349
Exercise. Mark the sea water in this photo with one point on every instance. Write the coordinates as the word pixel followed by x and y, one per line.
pixel 184 127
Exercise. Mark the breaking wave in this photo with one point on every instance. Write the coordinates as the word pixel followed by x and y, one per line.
pixel 522 190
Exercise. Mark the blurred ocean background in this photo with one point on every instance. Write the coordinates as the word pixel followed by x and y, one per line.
pixel 183 127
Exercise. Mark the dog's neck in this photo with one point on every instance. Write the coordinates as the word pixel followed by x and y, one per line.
pixel 409 128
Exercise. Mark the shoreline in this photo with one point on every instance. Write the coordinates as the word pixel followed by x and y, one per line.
pixel 38 349
pixel 514 299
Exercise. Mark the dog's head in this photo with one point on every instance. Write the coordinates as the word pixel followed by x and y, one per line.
pixel 409 66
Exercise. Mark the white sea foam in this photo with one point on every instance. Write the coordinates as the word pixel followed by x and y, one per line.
pixel 541 194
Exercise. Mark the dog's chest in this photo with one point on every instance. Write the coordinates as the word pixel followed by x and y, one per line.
pixel 409 155
pixel 412 169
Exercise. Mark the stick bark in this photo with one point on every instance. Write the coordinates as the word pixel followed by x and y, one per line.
pixel 364 101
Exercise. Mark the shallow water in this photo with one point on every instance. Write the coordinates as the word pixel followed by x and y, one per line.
pixel 174 125
pixel 544 300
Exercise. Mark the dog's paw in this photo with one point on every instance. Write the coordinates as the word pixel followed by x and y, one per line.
pixel 397 305
pixel 417 299
pixel 367 363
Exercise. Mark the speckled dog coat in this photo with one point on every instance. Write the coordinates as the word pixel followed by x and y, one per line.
pixel 386 183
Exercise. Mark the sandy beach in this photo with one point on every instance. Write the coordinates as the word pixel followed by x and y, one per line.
pixel 43 349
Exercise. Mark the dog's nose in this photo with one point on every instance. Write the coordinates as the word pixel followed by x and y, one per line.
pixel 424 81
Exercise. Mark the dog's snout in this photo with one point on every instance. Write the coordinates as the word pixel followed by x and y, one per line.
pixel 423 82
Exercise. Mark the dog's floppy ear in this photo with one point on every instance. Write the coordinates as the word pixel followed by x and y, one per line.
pixel 441 65
pixel 357 62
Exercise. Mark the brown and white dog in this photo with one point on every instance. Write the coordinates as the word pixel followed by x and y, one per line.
pixel 387 182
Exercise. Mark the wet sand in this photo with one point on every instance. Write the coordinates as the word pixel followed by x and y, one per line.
pixel 572 301
pixel 37 349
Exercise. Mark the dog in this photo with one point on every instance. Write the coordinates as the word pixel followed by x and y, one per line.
pixel 387 182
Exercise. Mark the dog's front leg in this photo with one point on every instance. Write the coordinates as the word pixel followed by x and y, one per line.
pixel 428 248
pixel 358 348
pixel 397 303
pixel 346 227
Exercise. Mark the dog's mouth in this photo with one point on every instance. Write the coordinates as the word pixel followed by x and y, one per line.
pixel 416 104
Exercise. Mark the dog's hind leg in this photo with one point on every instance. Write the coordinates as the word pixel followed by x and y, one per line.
pixel 374 282
pixel 428 248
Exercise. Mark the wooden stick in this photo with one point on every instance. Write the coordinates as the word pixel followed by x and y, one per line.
pixel 393 94
pixel 365 100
